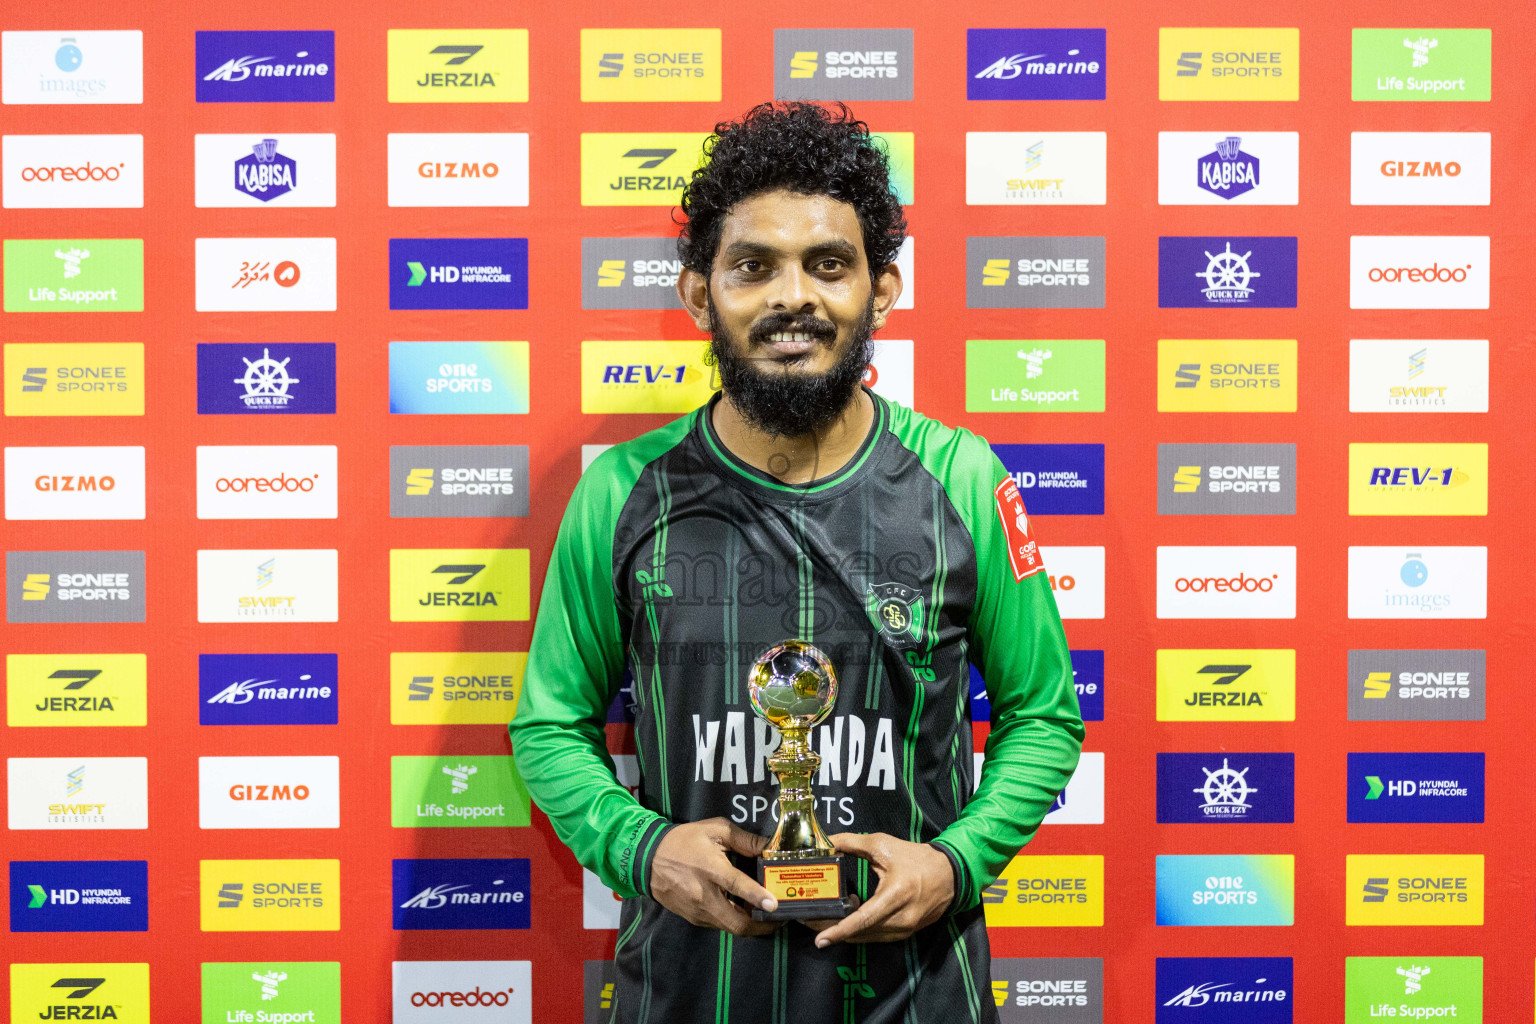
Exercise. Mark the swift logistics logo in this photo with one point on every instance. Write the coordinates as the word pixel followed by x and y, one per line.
pixel 79 895
pixel 650 65
pixel 268 792
pixel 1047 892
pixel 468 893
pixel 76 689
pixel 74 483
pixel 255 171
pixel 1048 990
pixel 1413 988
pixel 463 991
pixel 1226 788
pixel 458 273
pixel 1226 890
pixel 637 168
pixel 458 481
pixel 266 67
pixel 267 379
pixel 1226 375
pixel 458 169
pixel 260 275
pixel 1421 788
pixel 1035 168
pixel 1417 64
pixel 267 585
pixel 294 481
pixel 72 67
pixel 1226 582
pixel 1035 63
pixel 74 379
pixel 456 792
pixel 272 992
pixel 1415 890
pixel 1225 685
pixel 1418 479
pixel 266 689
pixel 1228 64
pixel 458 584
pixel 1236 168
pixel 1221 990
pixel 1226 479
pixel 1419 271
pixel 644 376
pixel 1226 272
pixel 74 586
pixel 1054 375
pixel 842 64
pixel 73 172
pixel 78 991
pixel 74 275
pixel 1418 375
pixel 476 65
pixel 1417 686
pixel 1056 479
pixel 1034 273
pixel 1418 583
pixel 458 377
pixel 269 895
pixel 1420 168
pixel 454 688
pixel 77 792
pixel 630 273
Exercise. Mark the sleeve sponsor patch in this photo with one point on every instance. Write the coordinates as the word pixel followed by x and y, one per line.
pixel 1023 552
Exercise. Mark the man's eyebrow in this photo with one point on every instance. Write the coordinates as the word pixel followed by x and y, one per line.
pixel 838 247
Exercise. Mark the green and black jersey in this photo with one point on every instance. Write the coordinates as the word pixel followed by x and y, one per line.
pixel 681 561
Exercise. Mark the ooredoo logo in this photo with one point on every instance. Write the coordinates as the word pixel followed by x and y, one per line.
pixel 73 171
pixel 1418 272
pixel 1226 582
pixel 453 991
pixel 266 482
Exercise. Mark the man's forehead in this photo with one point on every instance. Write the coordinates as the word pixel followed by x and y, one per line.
pixel 790 221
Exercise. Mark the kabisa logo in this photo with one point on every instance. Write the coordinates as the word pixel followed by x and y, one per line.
pixel 458 688
pixel 73 171
pixel 630 273
pixel 1048 990
pixel 269 895
pixel 1225 685
pixel 255 171
pixel 1057 479
pixel 1416 889
pixel 266 174
pixel 1447 64
pixel 1228 63
pixel 1034 273
pixel 464 893
pixel 1205 891
pixel 1228 172
pixel 458 273
pixel 1226 272
pixel 1035 64
pixel 1424 788
pixel 269 992
pixel 74 586
pixel 74 379
pixel 480 377
pixel 1422 686
pixel 76 991
pixel 1238 168
pixel 644 376
pixel 79 896
pixel 458 585
pixel 1225 788
pixel 1413 988
pixel 463 991
pixel 74 483
pixel 245 379
pixel 456 792
pixel 76 689
pixel 1219 990
pixel 1418 271
pixel 1201 375
pixel 266 689
pixel 488 65
pixel 1226 479
pixel 1418 479
pixel 657 65
pixel 72 67
pixel 458 481
pixel 842 64
pixel 637 168
pixel 268 792
pixel 1047 892
pixel 77 793
pixel 266 67
pixel 1421 583
pixel 267 585
pixel 80 275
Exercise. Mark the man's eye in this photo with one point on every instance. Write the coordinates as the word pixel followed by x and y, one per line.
pixel 830 265
pixel 751 266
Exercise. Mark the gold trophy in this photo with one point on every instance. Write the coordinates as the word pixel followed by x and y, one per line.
pixel 793 687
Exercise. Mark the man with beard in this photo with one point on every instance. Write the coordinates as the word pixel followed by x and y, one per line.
pixel 797 503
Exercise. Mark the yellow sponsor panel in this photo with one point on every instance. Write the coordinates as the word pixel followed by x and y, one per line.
pixel 270 895
pixel 1226 375
pixel 1047 892
pixel 1228 63
pixel 1414 889
pixel 1418 479
pixel 74 379
pixel 458 65
pixel 644 376
pixel 638 168
pixel 76 689
pixel 650 65
pixel 116 992
pixel 454 688
pixel 1226 685
pixel 458 584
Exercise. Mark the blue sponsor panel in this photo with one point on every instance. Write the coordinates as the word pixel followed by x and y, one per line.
pixel 266 689
pixel 1429 788
pixel 458 273
pixel 1087 678
pixel 1057 479
pixel 1225 788
pixel 623 707
pixel 266 67
pixel 1225 890
pixel 470 893
pixel 1035 63
pixel 1226 272
pixel 1224 990
pixel 79 895
pixel 266 379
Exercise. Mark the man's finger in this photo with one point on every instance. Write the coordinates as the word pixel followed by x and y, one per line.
pixel 727 916
pixel 745 888
pixel 872 914
pixel 857 843
pixel 748 844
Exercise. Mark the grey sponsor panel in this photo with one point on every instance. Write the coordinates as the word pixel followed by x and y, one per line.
pixel 597 981
pixel 1062 272
pixel 74 586
pixel 842 64
pixel 1417 686
pixel 1048 990
pixel 629 273
pixel 458 481
pixel 1226 479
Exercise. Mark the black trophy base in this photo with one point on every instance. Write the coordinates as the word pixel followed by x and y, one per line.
pixel 808 889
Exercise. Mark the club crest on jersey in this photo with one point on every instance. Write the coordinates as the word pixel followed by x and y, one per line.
pixel 1023 552
pixel 897 612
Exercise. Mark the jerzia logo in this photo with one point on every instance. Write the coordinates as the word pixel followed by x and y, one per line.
pixel 637 168
pixel 454 585
pixel 458 65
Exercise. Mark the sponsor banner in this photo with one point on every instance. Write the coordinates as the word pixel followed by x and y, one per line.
pixel 644 376
pixel 118 992
pixel 1082 801
pixel 1415 375
pixel 458 273
pixel 458 65
pixel 889 373
pixel 1418 479
pixel 247 379
pixel 76 689
pixel 1200 375
pixel 269 895
pixel 79 896
pixel 266 67
pixel 73 275
pixel 260 170
pixel 1047 892
pixel 455 688
pixel 74 483
pixel 589 454
pixel 900 153
pixel 72 66
pixel 1056 479
pixel 1417 686
pixel 630 273
pixel 1048 990
pixel 1418 271
pixel 1423 788
pixel 295 481
pixel 269 792
pixel 842 64
pixel 74 586
pixel 72 172
pixel 1226 272
pixel 1228 168
pixel 466 893
pixel 77 792
pixel 458 584
pixel 1420 168
pixel 1087 680
pixel 1077 580
pixel 1418 583
pixel 266 689
pixel 1035 63
pixel 74 379
pixel 267 585
pixel 650 65
pixel 1034 273
pixel 1226 479
pixel 598 979
pixel 1226 582
pixel 1413 988
pixel 458 481
pixel 458 169
pixel 1034 376
pixel 1035 168
pixel 638 168
pixel 1224 989
pixel 291 275
pixel 272 992
pixel 1228 889
pixel 1228 64
pixel 458 377
pixel 457 791
pixel 1226 788
pixel 1415 64
pixel 1224 685
pixel 600 905
pixel 463 991
pixel 1413 889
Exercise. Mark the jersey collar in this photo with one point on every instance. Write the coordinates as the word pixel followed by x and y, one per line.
pixel 741 471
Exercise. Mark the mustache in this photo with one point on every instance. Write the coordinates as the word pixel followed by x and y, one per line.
pixel 815 326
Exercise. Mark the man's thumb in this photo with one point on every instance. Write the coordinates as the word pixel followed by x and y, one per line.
pixel 748 844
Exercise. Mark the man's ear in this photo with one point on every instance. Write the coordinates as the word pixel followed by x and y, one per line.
pixel 887 290
pixel 693 290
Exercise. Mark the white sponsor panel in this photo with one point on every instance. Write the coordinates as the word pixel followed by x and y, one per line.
pixel 1228 168
pixel 1077 580
pixel 905 262
pixel 264 169
pixel 1035 168
pixel 72 172
pixel 890 370
pixel 1418 583
pixel 70 66
pixel 236 275
pixel 1418 375
pixel 74 483
pixel 1418 272
pixel 600 905
pixel 266 585
pixel 1226 583
pixel 77 792
pixel 463 992
pixel 590 452
pixel 1082 802
pixel 268 792
pixel 458 169
pixel 266 481
pixel 1420 168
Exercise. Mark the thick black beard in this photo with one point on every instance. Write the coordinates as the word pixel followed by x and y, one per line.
pixel 782 402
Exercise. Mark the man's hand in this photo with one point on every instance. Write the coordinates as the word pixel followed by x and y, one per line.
pixel 916 885
pixel 691 875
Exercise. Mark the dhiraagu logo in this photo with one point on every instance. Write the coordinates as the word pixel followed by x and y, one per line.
pixel 638 168
pixel 1034 376
pixel 454 687
pixel 1047 892
pixel 1252 889
pixel 458 377
pixel 449 792
pixel 1417 64
pixel 74 275
pixel 644 376
pixel 271 991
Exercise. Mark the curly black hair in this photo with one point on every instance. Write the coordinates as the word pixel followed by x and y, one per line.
pixel 802 147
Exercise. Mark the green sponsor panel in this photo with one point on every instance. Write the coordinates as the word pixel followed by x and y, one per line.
pixel 1034 376
pixel 74 275
pixel 270 992
pixel 1418 64
pixel 900 150
pixel 1413 988
pixel 456 792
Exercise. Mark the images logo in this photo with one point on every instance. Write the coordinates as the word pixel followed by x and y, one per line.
pixel 1410 64
pixel 458 273
pixel 463 991
pixel 269 895
pixel 1226 479
pixel 1413 988
pixel 1415 788
pixel 1035 168
pixel 629 273
pixel 637 168
pixel 1228 63
pixel 1204 990
pixel 1035 64
pixel 1420 168
pixel 1226 787
pixel 268 792
pixel 266 67
pixel 276 992
pixel 485 65
pixel 77 792
pixel 79 379
pixel 1418 479
pixel 1226 375
pixel 74 586
pixel 1418 375
pixel 1057 479
pixel 81 275
pixel 1444 889
pixel 1419 686
pixel 252 171
pixel 1226 272
pixel 650 65
pixel 458 169
pixel 236 275
pixel 74 483
pixel 1226 890
pixel 267 585
pixel 459 894
pixel 1034 376
pixel 1226 582
pixel 266 481
pixel 79 896
pixel 1048 990
pixel 239 379
pixel 1418 583
pixel 266 689
pixel 75 689
pixel 458 481
pixel 461 377
pixel 644 376
pixel 72 67
pixel 76 991
pixel 1034 273
pixel 1047 892
pixel 458 584
pixel 459 791
pixel 842 64
pixel 458 688
pixel 1418 271
pixel 1212 169
pixel 73 172
pixel 1226 685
